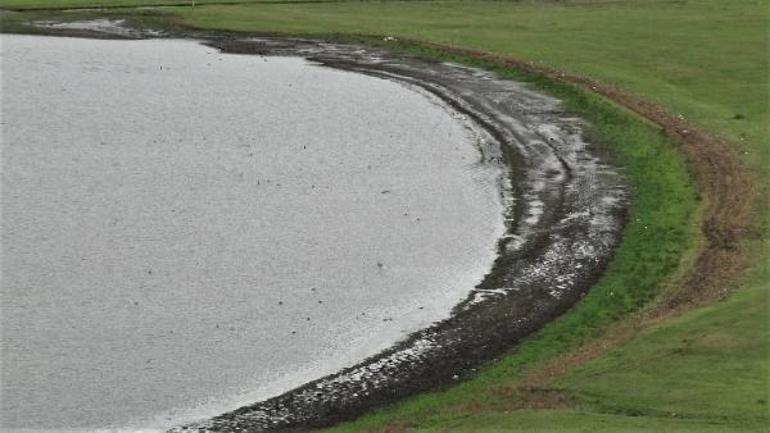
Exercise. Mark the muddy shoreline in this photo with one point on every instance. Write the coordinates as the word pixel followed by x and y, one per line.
pixel 567 213
pixel 567 209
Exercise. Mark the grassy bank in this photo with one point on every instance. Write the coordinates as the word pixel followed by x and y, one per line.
pixel 706 61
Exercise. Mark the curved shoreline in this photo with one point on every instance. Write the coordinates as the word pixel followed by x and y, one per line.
pixel 567 219
pixel 725 186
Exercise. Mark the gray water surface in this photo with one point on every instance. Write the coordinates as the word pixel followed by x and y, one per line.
pixel 185 231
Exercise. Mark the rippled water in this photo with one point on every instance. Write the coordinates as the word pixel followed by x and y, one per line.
pixel 184 231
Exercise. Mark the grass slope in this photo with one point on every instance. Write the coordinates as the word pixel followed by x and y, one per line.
pixel 712 364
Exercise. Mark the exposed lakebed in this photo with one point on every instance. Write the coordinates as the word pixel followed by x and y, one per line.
pixel 185 231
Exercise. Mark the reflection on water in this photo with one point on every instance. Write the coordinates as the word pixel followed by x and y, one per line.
pixel 184 231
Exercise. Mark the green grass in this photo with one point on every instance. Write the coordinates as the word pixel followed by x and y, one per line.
pixel 680 357
pixel 706 60
pixel 569 421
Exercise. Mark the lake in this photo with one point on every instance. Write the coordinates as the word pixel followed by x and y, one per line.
pixel 186 231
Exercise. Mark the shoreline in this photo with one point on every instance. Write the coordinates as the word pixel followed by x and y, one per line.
pixel 557 246
pixel 690 248
pixel 568 219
